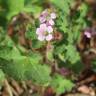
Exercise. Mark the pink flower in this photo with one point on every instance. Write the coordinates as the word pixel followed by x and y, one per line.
pixel 43 16
pixel 44 32
pixel 47 17
pixel 53 16
pixel 51 22
pixel 49 29
pixel 42 19
pixel 43 27
pixel 41 30
pixel 49 37
pixel 87 34
pixel 41 37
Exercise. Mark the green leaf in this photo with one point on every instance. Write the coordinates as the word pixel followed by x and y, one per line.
pixel 83 9
pixel 32 9
pixel 24 67
pixel 62 22
pixel 39 74
pixel 9 53
pixel 14 7
pixel 37 44
pixel 7 41
pixel 31 32
pixel 60 49
pixel 71 54
pixel 61 85
pixel 63 5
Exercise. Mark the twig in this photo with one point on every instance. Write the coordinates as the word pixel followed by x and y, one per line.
pixel 8 88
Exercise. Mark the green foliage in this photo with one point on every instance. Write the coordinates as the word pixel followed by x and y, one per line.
pixel 30 33
pixel 23 67
pixel 64 5
pixel 79 22
pixel 62 22
pixel 26 68
pixel 15 6
pixel 61 85
pixel 11 8
pixel 71 54
pixel 40 74
pixel 64 11
pixel 30 8
pixel 71 27
pixel 21 63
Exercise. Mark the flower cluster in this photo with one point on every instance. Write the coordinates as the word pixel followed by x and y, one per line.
pixel 45 30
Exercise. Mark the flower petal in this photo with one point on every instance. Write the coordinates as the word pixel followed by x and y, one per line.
pixel 42 19
pixel 39 31
pixel 51 22
pixel 53 15
pixel 87 34
pixel 41 37
pixel 49 29
pixel 49 37
pixel 43 27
